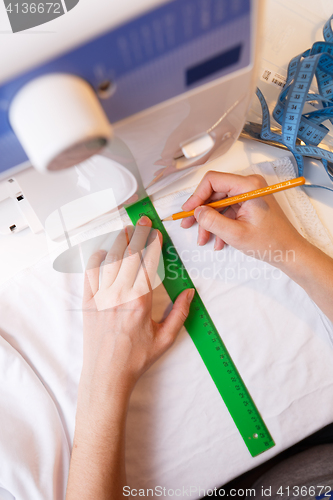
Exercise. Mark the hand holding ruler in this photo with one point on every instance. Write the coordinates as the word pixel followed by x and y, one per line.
pixel 208 341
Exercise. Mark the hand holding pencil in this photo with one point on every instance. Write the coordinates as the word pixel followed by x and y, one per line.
pixel 253 226
pixel 251 195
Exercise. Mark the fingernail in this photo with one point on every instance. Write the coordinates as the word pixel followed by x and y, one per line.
pixel 199 241
pixel 190 294
pixel 143 221
pixel 181 224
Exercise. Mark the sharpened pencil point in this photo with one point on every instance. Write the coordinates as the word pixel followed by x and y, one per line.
pixel 167 218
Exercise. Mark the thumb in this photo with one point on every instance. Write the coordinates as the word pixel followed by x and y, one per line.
pixel 214 222
pixel 175 320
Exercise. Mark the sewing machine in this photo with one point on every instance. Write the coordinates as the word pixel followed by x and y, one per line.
pixel 174 79
pixel 163 91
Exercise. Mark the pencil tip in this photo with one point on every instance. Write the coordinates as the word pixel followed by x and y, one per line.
pixel 167 218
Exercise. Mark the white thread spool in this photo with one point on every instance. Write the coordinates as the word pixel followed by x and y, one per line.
pixel 59 121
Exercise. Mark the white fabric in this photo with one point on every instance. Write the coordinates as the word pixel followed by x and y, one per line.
pixel 179 432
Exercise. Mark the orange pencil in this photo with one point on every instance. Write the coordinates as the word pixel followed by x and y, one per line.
pixel 257 193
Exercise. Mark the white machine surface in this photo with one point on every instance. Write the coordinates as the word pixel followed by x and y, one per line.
pixel 179 434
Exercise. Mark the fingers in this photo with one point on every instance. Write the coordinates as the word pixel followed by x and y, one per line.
pixel 224 227
pixel 203 236
pixel 114 257
pixel 207 187
pixel 91 279
pixel 133 254
pixel 187 222
pixel 218 185
pixel 218 244
pixel 224 184
pixel 231 214
pixel 175 320
pixel 150 261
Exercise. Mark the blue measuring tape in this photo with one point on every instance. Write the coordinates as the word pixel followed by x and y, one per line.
pixel 318 62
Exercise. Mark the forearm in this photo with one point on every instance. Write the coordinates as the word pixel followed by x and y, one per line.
pixel 120 342
pixel 313 271
pixel 97 468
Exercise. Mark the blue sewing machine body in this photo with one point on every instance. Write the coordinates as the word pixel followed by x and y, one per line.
pixel 171 52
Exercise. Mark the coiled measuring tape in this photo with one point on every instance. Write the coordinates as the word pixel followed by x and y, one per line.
pixel 318 62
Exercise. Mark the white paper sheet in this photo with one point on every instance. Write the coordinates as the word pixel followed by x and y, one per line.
pixel 179 432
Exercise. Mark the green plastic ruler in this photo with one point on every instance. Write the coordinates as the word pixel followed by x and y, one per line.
pixel 208 341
